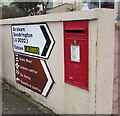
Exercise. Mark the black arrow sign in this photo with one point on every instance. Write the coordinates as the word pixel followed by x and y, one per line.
pixel 48 41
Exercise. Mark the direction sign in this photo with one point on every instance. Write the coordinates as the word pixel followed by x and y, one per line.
pixel 33 39
pixel 33 73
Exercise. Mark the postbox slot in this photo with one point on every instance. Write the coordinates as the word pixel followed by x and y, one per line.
pixel 75 31
pixel 72 39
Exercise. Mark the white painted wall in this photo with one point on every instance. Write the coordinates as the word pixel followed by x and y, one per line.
pixel 0 50
pixel 65 98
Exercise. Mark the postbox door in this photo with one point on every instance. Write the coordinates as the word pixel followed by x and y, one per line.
pixel 76 54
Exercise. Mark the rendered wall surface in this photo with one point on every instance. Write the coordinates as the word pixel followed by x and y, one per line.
pixel 65 98
pixel 0 51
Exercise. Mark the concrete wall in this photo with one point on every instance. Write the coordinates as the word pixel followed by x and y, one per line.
pixel 0 50
pixel 0 66
pixel 65 98
pixel 116 85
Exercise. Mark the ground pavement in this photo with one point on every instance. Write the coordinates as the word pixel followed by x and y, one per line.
pixel 15 102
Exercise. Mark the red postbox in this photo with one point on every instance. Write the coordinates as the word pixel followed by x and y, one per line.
pixel 76 53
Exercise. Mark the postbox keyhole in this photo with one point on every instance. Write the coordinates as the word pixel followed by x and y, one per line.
pixel 74 41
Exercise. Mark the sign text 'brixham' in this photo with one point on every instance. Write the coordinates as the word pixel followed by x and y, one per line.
pixel 33 39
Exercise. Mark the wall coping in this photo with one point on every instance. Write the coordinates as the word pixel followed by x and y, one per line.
pixel 56 17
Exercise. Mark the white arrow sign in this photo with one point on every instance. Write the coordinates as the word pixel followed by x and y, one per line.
pixel 49 82
pixel 33 39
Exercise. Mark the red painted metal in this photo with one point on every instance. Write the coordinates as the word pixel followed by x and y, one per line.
pixel 76 72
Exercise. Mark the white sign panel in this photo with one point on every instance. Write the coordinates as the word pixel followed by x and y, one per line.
pixel 32 39
pixel 75 53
